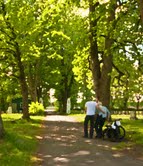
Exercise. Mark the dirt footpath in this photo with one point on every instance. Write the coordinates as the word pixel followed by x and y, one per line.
pixel 62 144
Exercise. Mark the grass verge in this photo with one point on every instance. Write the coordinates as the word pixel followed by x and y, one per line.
pixel 20 140
pixel 134 131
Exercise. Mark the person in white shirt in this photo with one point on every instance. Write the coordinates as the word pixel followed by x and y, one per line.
pixel 100 120
pixel 90 109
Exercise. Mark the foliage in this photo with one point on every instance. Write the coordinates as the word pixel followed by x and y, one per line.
pixel 36 108
pixel 54 44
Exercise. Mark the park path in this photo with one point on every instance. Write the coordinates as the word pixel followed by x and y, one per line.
pixel 61 144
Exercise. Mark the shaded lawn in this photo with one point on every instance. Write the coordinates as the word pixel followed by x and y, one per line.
pixel 134 129
pixel 20 140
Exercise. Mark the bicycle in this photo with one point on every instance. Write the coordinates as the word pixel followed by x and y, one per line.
pixel 114 132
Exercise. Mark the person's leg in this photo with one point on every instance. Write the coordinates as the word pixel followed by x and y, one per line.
pixel 96 124
pixel 86 126
pixel 91 126
pixel 101 124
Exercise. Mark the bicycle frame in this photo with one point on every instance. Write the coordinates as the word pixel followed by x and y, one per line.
pixel 114 131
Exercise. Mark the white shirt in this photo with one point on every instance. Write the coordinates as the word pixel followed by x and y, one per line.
pixel 90 107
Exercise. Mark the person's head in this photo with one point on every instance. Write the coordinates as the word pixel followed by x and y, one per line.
pixel 93 98
pixel 99 103
pixel 96 99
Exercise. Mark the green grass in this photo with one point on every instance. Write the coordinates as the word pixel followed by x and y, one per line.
pixel 20 141
pixel 134 133
pixel 134 130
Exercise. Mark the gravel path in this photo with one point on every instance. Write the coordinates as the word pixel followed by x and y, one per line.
pixel 61 144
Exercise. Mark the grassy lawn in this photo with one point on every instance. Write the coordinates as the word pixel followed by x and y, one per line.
pixel 20 140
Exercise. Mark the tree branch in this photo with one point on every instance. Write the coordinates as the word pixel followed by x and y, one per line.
pixel 8 50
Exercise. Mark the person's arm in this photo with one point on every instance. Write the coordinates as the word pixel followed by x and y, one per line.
pixel 99 108
pixel 108 114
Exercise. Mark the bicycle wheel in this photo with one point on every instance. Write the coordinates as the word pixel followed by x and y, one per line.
pixel 120 132
pixel 112 135
pixel 109 134
pixel 104 133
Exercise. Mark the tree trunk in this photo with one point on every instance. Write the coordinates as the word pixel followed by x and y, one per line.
pixel 32 84
pixel 24 87
pixel 140 4
pixel 106 79
pixel 24 90
pixel 133 115
pixel 101 74
pixel 33 92
pixel 39 92
pixel 94 61
pixel 17 55
pixel 1 127
pixel 35 89
pixel 3 103
pixel 64 92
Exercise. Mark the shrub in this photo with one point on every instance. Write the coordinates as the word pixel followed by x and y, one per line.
pixel 36 108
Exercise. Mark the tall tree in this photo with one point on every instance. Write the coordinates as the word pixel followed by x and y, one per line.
pixel 1 127
pixel 11 48
pixel 101 59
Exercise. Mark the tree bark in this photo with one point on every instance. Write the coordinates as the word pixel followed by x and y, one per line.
pixel 101 73
pixel 140 4
pixel 23 83
pixel 94 61
pixel 65 91
pixel 1 127
pixel 32 84
pixel 107 60
pixel 106 79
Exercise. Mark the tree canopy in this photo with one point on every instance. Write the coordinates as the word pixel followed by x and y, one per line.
pixel 79 48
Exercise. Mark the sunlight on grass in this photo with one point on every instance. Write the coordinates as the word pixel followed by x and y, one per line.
pixel 134 130
pixel 20 140
pixel 11 116
pixel 78 117
pixel 126 116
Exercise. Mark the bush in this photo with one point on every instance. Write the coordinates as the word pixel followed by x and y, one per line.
pixel 36 108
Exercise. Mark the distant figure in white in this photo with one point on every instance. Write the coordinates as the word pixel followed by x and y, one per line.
pixel 9 110
pixel 41 100
pixel 68 111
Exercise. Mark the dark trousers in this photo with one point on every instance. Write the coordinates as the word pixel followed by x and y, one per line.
pixel 99 123
pixel 89 118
